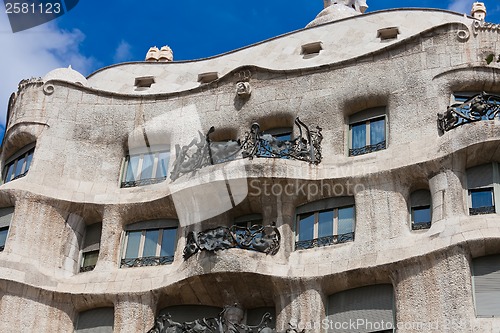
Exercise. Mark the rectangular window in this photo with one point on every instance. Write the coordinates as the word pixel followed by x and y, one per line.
pixel 5 219
pixel 146 168
pixel 18 165
pixel 152 245
pixel 91 245
pixel 486 279
pixel 325 227
pixel 421 214
pixel 367 131
pixel 372 305
pixel 99 320
pixel 481 181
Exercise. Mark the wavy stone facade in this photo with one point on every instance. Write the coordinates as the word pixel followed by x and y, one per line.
pixel 83 130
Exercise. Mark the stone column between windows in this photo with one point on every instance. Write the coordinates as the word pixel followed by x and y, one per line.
pixel 448 198
pixel 299 304
pixel 421 285
pixel 109 251
pixel 135 313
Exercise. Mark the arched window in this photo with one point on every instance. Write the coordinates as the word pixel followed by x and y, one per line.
pixel 325 222
pixel 421 216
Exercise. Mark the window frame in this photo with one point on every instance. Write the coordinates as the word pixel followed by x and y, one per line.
pixel 28 150
pixel 6 222
pixel 420 205
pixel 492 185
pixel 367 117
pixel 317 207
pixel 155 151
pixel 143 227
pixel 90 249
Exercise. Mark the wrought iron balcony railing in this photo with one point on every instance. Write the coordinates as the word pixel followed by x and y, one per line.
pixel 324 241
pixel 142 182
pixel 482 210
pixel 146 261
pixel 482 106
pixel 265 239
pixel 367 149
pixel 420 225
pixel 87 268
pixel 203 152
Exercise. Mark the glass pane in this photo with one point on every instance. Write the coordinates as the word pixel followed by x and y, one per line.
pixel 358 135
pixel 28 160
pixel 325 223
pixel 482 198
pixel 9 173
pixel 19 167
pixel 377 131
pixel 306 226
pixel 150 243
pixel 168 242
pixel 346 220
pixel 3 236
pixel 283 136
pixel 162 168
pixel 421 214
pixel 90 258
pixel 147 166
pixel 134 238
pixel 132 164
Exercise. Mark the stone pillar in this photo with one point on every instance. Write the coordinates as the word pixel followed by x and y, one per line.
pixel 420 287
pixel 447 194
pixel 135 313
pixel 301 305
pixel 27 309
pixel 109 252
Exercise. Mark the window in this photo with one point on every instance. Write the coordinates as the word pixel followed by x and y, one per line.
pixel 276 142
pixel 246 221
pixel 468 109
pixel 311 49
pixel 375 303
pixel 421 216
pixel 91 244
pixel 367 131
pixel 18 165
pixel 147 167
pixel 388 33
pixel 149 243
pixel 100 320
pixel 481 181
pixel 325 222
pixel 5 218
pixel 207 77
pixel 486 279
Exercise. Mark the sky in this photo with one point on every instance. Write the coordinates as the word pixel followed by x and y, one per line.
pixel 95 34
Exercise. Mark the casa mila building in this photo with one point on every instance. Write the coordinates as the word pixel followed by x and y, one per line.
pixel 339 178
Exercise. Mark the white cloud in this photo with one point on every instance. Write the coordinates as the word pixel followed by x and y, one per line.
pixel 461 6
pixel 123 52
pixel 35 52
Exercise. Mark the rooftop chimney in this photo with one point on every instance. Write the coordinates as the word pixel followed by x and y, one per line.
pixel 478 11
pixel 164 54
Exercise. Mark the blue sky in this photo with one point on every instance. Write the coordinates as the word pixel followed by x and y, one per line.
pixel 100 33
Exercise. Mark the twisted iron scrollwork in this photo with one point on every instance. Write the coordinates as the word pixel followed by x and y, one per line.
pixel 201 152
pixel 482 106
pixel 265 239
pixel 224 323
pixel 146 261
